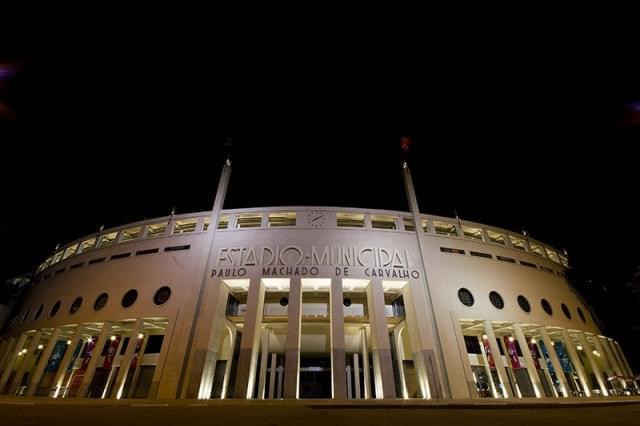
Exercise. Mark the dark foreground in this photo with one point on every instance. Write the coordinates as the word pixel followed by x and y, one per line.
pixel 37 411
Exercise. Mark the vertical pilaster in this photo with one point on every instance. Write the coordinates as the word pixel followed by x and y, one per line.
pixel 555 362
pixel 606 365
pixel 497 359
pixel 83 391
pixel 66 359
pixel 575 360
pixel 364 351
pixel 487 369
pixel 125 361
pixel 528 360
pixel 44 360
pixel 380 348
pixel 8 350
pixel 8 368
pixel 264 359
pixel 338 354
pixel 613 360
pixel 26 362
pixel 594 366
pixel 292 349
pixel 247 358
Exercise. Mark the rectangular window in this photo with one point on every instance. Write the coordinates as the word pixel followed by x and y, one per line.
pixel 480 254
pixel 472 233
pixel 383 221
pixel 156 230
pixel 408 224
pixel 148 251
pixel 517 243
pixel 530 265
pixel 108 239
pixel 98 260
pixel 185 225
pixel 544 268
pixel 496 237
pixel 223 223
pixel 70 251
pixel 249 220
pixel 120 256
pixel 57 257
pixel 473 344
pixel 282 219
pixel 77 265
pixel 205 224
pixel 87 245
pixel 425 225
pixel 506 259
pixel 552 255
pixel 131 233
pixel 178 248
pixel 352 220
pixel 564 261
pixel 536 249
pixel 451 250
pixel 445 228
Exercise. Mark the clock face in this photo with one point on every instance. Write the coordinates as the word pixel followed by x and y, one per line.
pixel 316 218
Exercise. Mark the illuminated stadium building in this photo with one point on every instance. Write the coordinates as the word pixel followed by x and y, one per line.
pixel 307 302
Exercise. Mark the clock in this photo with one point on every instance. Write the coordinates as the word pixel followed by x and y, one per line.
pixel 316 219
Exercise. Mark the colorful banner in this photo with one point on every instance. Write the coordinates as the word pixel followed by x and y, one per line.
pixel 75 355
pixel 112 351
pixel 56 356
pixel 134 360
pixel 545 354
pixel 563 357
pixel 487 350
pixel 535 355
pixel 88 352
pixel 510 343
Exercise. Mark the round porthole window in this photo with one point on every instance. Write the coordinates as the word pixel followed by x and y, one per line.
pixel 54 309
pixel 38 312
pixel 546 306
pixel 581 315
pixel 346 302
pixel 465 297
pixel 284 301
pixel 129 298
pixel 101 301
pixel 496 299
pixel 565 310
pixel 75 305
pixel 162 295
pixel 524 304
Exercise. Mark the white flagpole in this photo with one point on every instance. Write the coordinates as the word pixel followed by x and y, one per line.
pixel 435 369
pixel 218 203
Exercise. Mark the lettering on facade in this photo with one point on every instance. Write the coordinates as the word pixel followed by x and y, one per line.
pixel 292 260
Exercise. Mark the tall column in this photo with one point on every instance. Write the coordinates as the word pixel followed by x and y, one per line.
pixel 12 360
pixel 545 367
pixel 83 391
pixel 44 360
pixel 555 362
pixel 625 364
pixel 272 376
pixel 356 375
pixel 338 352
pixel 125 361
pixel 365 363
pixel 487 368
pixel 264 359
pixel 26 362
pixel 380 348
pixel 397 337
pixel 247 357
pixel 4 350
pixel 292 349
pixel 8 350
pixel 424 360
pixel 594 366
pixel 230 361
pixel 66 359
pixel 131 393
pixel 464 358
pixel 497 359
pixel 613 360
pixel 608 370
pixel 575 360
pixel 528 360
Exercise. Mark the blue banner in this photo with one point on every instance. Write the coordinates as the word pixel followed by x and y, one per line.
pixel 545 355
pixel 56 356
pixel 563 357
pixel 76 352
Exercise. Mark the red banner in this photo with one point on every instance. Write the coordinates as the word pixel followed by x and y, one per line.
pixel 112 351
pixel 513 352
pixel 134 360
pixel 487 350
pixel 535 355
pixel 88 352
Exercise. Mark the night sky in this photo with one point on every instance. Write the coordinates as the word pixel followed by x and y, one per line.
pixel 526 129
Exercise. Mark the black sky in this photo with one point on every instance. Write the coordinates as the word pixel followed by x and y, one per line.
pixel 519 129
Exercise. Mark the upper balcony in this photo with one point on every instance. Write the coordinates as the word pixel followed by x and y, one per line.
pixel 301 218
